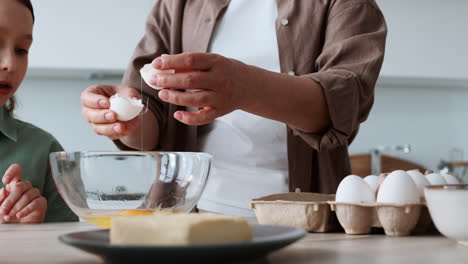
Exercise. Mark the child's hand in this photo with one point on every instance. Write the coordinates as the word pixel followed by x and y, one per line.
pixel 20 202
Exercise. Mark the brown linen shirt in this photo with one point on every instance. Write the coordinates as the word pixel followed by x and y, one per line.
pixel 338 43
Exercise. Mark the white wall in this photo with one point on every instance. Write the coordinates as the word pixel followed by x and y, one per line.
pixel 426 38
pixel 432 120
pixel 87 33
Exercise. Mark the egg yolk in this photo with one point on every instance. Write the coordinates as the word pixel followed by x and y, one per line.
pixel 136 212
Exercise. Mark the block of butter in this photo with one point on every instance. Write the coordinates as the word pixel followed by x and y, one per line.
pixel 179 229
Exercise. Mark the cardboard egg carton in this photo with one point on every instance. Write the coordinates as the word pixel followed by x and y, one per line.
pixel 320 213
pixel 310 211
pixel 395 219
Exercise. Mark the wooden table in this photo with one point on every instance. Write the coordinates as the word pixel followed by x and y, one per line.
pixel 39 244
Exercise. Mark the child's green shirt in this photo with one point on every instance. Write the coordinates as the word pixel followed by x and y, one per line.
pixel 30 146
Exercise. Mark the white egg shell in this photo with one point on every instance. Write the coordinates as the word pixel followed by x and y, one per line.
pixel 353 189
pixel 147 71
pixel 398 188
pixel 125 107
pixel 420 180
pixel 436 179
pixel 450 179
pixel 373 182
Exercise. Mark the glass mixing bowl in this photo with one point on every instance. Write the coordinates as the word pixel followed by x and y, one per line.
pixel 100 185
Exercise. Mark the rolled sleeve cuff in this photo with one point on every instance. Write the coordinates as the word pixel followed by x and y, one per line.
pixel 341 90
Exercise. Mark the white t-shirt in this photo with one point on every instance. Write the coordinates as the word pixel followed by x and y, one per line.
pixel 250 152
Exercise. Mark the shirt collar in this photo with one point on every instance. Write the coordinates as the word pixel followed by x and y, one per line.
pixel 8 125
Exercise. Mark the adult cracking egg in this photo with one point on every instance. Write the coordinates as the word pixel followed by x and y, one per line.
pixel 278 91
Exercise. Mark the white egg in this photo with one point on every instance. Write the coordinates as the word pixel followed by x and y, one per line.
pixel 450 179
pixel 125 107
pixel 398 188
pixel 436 179
pixel 148 71
pixel 373 182
pixel 420 180
pixel 353 189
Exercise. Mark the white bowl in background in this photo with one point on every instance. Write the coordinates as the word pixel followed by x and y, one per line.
pixel 448 206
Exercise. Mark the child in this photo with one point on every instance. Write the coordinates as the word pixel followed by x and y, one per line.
pixel 29 194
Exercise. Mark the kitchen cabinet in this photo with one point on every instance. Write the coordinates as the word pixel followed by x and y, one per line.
pixel 87 34
pixel 426 38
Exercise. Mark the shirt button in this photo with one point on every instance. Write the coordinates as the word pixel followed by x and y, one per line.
pixel 207 20
pixel 284 21
pixel 291 73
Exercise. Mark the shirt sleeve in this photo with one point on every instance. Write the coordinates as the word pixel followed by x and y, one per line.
pixel 154 43
pixel 348 68
pixel 57 209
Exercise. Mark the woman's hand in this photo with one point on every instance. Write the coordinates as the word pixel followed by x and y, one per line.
pixel 221 85
pixel 95 101
pixel 20 201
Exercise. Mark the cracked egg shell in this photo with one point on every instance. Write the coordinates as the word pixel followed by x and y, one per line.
pixel 125 107
pixel 147 71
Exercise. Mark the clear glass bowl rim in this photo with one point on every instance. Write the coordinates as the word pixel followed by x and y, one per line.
pixel 87 152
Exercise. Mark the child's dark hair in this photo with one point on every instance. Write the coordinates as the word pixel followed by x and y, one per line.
pixel 10 106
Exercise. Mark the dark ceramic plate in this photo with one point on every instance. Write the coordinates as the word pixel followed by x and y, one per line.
pixel 265 240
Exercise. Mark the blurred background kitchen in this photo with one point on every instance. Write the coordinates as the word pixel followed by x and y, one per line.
pixel 421 98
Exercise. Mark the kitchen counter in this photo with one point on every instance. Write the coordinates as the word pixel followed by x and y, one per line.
pixel 39 244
